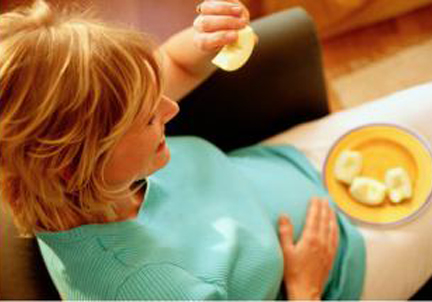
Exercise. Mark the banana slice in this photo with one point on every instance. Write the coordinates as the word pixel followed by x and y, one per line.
pixel 368 190
pixel 399 184
pixel 233 56
pixel 348 166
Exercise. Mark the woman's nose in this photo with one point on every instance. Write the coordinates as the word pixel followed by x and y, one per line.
pixel 171 109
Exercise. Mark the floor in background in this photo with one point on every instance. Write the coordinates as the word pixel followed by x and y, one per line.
pixel 373 62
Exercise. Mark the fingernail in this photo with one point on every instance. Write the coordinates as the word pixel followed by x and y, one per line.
pixel 236 9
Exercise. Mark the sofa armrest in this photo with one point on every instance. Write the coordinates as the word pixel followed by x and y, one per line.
pixel 282 85
pixel 23 275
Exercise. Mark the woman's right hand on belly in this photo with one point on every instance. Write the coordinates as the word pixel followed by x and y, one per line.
pixel 307 263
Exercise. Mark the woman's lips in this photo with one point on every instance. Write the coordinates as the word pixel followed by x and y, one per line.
pixel 161 146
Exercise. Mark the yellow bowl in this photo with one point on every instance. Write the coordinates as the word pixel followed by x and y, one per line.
pixel 383 147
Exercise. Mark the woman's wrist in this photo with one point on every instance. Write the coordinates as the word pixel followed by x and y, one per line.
pixel 296 293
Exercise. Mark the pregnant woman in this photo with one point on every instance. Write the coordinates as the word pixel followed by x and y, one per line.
pixel 122 212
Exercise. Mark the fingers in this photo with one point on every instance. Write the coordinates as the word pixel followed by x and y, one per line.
pixel 313 216
pixel 321 225
pixel 324 228
pixel 221 15
pixel 286 233
pixel 218 22
pixel 231 1
pixel 211 4
pixel 212 41
pixel 329 230
pixel 334 233
pixel 220 8
pixel 212 23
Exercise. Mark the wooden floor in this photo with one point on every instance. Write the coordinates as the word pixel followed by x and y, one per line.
pixel 373 62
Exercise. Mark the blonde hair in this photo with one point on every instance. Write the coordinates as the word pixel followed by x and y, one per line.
pixel 70 88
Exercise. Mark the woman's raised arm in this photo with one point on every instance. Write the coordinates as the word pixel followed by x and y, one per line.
pixel 187 55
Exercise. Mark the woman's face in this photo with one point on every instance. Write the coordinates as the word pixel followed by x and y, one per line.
pixel 142 150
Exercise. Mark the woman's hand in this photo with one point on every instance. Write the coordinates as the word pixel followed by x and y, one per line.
pixel 307 263
pixel 218 22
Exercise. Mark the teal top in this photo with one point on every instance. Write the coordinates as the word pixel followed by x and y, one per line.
pixel 207 229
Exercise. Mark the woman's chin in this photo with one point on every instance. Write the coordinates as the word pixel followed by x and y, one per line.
pixel 163 157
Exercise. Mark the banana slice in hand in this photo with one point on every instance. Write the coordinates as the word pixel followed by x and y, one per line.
pixel 399 184
pixel 368 190
pixel 233 56
pixel 348 166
